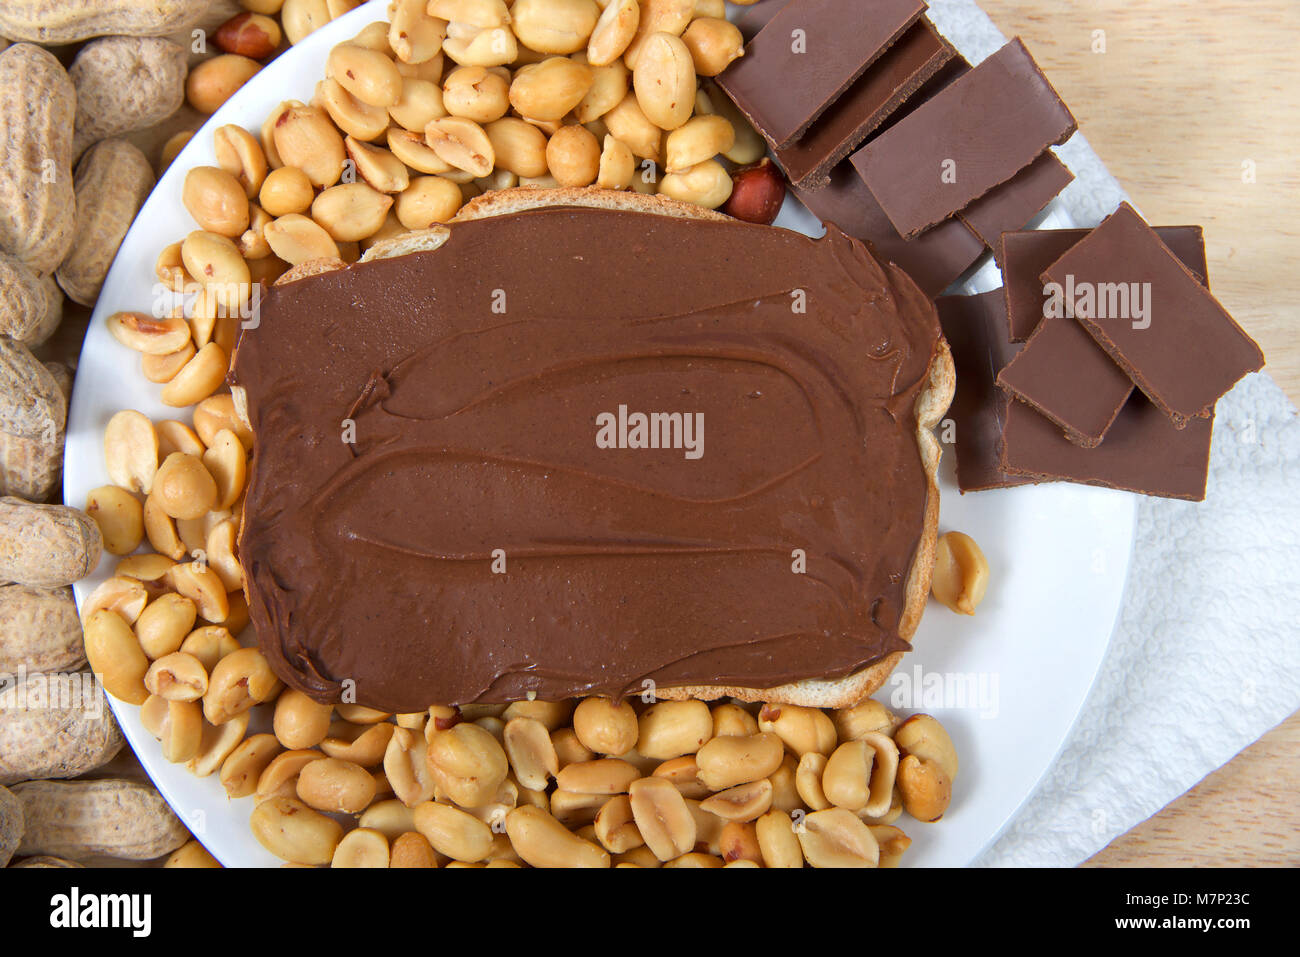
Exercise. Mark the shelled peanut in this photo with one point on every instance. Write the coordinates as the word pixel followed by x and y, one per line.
pixel 451 99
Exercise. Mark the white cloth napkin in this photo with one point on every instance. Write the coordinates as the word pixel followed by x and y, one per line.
pixel 1206 654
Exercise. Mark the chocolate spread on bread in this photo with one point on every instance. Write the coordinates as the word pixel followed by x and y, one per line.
pixel 430 518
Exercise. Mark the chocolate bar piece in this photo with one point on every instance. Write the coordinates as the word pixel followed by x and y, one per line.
pixel 976 330
pixel 1026 255
pixel 807 55
pixel 1147 310
pixel 1063 375
pixel 972 136
pixel 933 260
pixel 903 69
pixel 757 17
pixel 1016 201
pixel 1143 452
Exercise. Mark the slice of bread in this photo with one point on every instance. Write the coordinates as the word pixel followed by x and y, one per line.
pixel 931 405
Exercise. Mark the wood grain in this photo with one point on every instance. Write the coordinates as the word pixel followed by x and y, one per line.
pixel 1186 92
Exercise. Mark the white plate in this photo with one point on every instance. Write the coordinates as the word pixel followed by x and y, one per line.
pixel 1059 554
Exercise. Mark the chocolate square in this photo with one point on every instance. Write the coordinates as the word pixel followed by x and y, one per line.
pixel 1182 350
pixel 808 54
pixel 972 136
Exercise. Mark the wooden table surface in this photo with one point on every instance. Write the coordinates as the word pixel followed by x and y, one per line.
pixel 1189 98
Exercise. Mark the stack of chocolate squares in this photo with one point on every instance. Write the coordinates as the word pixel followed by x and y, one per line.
pixel 1099 361
pixel 885 130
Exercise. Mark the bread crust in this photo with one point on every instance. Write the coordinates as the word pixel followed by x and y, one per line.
pixel 931 405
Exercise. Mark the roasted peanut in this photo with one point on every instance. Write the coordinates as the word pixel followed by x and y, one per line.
pixel 629 125
pixel 613 32
pixel 280 779
pixel 519 147
pixel 286 190
pixel 297 239
pixel 802 729
pixel 406 766
pixel 615 827
pixel 351 115
pixel 926 790
pixel 469 45
pixel 602 776
pixel 217 413
pixel 739 843
pixel 177 677
pixel 249 34
pixel 114 654
pixel 568 748
pixel 808 780
pixel 147 335
pixel 859 775
pixel 183 488
pixel 617 165
pixel 361 847
pixel 461 143
pixel 670 729
pixel 662 817
pixel 125 596
pixel 367 74
pixel 777 841
pixel 925 737
pixel 335 785
pixel 531 752
pixel 415 35
pixel 412 849
pixel 744 802
pixel 706 184
pixel 605 726
pixel 548 90
pixel 892 843
pixel 192 854
pixel 381 170
pixel 419 105
pixel 542 841
pixel 552 714
pixel 728 761
pixel 363 744
pixel 164 624
pixel 215 80
pixel 467 763
pixel 684 773
pixel 216 200
pixel 865 716
pixel 701 138
pixel 426 201
pixel 609 85
pixel 453 832
pixel 730 720
pixel 573 156
pixel 350 212
pixel 476 93
pixel 305 138
pixel 835 838
pixel 119 516
pixel 299 721
pixel 713 43
pixel 554 26
pixel 245 765
pixel 240 680
pixel 292 831
pixel 961 573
